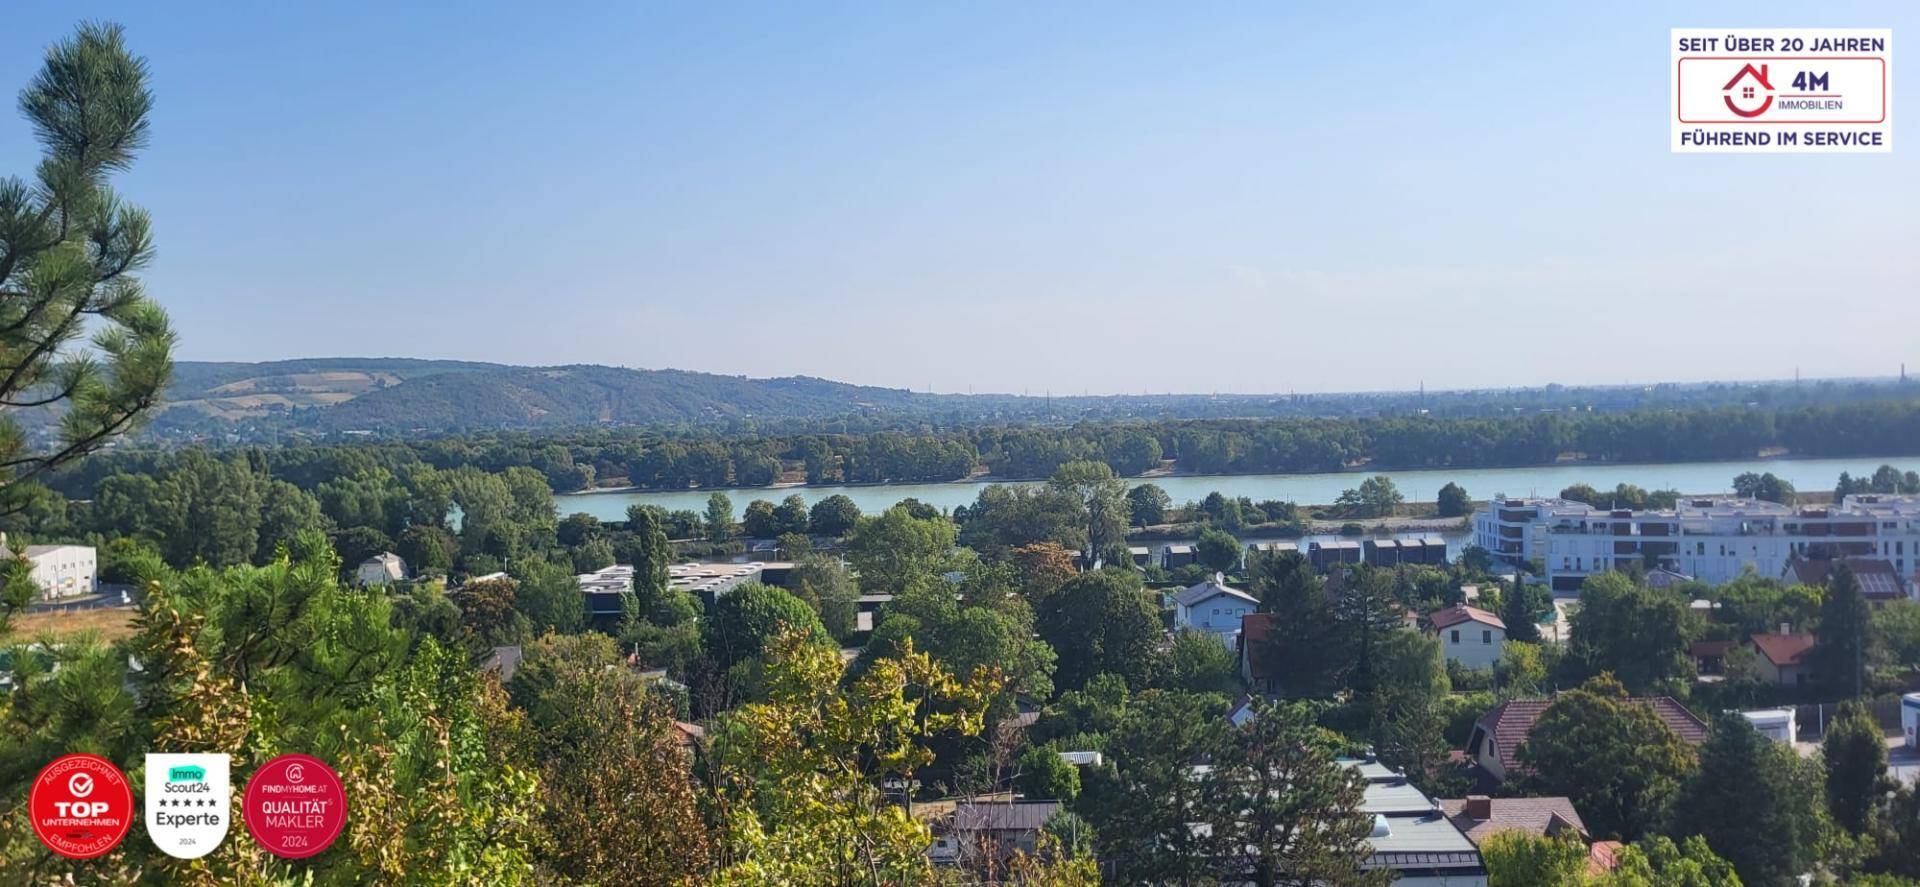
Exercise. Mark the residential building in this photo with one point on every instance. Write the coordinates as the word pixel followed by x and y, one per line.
pixel 1412 835
pixel 1254 548
pixel 1481 817
pixel 63 570
pixel 1468 635
pixel 1174 557
pixel 1140 555
pixel 1710 539
pixel 604 588
pixel 384 568
pixel 993 830
pixel 1327 555
pixel 1214 608
pixel 1498 734
pixel 1381 552
pixel 1879 579
pixel 1782 657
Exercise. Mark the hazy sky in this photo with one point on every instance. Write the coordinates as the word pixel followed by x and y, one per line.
pixel 997 196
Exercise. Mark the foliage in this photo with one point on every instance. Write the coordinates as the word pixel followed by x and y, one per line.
pixel 1781 815
pixel 1453 501
pixel 895 549
pixel 1839 660
pixel 1101 622
pixel 1042 773
pixel 1615 758
pixel 1638 634
pixel 1200 663
pixel 1147 504
pixel 1855 753
pixel 1217 550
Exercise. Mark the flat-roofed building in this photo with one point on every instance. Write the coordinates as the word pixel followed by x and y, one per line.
pixel 63 570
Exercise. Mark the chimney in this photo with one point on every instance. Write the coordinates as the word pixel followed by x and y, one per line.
pixel 1479 807
pixel 1786 628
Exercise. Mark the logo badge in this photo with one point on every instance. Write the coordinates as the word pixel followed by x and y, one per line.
pixel 295 806
pixel 189 803
pixel 81 806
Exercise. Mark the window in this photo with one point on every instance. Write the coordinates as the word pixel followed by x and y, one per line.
pixel 1486 637
pixel 1456 636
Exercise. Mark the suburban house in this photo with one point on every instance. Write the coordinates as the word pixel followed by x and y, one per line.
pixel 1481 817
pixel 1469 635
pixel 1214 608
pixel 1173 557
pixel 1256 632
pixel 1412 835
pixel 990 830
pixel 63 570
pixel 1498 734
pixel 1710 657
pixel 1782 657
pixel 384 568
pixel 1879 579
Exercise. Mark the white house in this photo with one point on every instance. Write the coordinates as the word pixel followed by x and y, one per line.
pixel 1214 608
pixel 63 570
pixel 1469 635
pixel 384 568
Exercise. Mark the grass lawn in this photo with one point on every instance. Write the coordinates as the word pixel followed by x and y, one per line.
pixel 111 623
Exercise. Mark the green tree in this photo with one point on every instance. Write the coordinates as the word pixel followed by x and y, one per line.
pixel 826 585
pixel 1855 752
pixel 1217 550
pixel 1840 658
pixel 1638 634
pixel 1375 497
pixel 1407 713
pixel 1773 840
pixel 1041 773
pixel 1297 654
pixel 1765 487
pixel 1199 663
pixel 1612 756
pixel 1453 501
pixel 740 623
pixel 719 522
pixel 1101 622
pixel 833 516
pixel 895 549
pixel 1522 608
pixel 1102 498
pixel 1516 858
pixel 1143 805
pixel 790 516
pixel 69 245
pixel 1147 504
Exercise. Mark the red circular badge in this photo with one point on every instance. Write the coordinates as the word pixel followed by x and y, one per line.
pixel 81 806
pixel 295 806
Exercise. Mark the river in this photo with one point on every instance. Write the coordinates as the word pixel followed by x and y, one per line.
pixel 1305 489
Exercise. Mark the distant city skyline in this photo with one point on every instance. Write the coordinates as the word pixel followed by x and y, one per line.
pixel 998 198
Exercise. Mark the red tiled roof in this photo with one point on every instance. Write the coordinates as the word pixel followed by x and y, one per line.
pixel 1535 816
pixel 1256 630
pixel 1511 721
pixel 1783 649
pixel 1459 613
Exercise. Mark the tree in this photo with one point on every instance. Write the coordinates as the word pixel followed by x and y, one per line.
pixel 719 520
pixel 606 748
pixel 1453 501
pixel 833 516
pixel 487 611
pixel 796 776
pixel 1773 839
pixel 1042 774
pixel 1297 657
pixel 759 521
pixel 1199 663
pixel 1765 487
pixel 1516 858
pixel 895 549
pixel 427 549
pixel 740 623
pixel 1659 862
pixel 577 528
pixel 1522 608
pixel 651 556
pixel 1855 752
pixel 1365 614
pixel 68 247
pixel 1102 497
pixel 1615 758
pixel 1839 660
pixel 1522 671
pixel 1281 809
pixel 1147 505
pixel 1217 550
pixel 790 516
pixel 1144 803
pixel 1101 622
pixel 1375 497
pixel 1638 634
pixel 1407 707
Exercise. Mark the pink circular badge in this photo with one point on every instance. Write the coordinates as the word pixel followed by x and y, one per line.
pixel 295 806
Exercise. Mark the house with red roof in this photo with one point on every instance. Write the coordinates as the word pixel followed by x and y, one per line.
pixel 1481 817
pixel 1256 638
pixel 1468 635
pixel 1498 734
pixel 1782 657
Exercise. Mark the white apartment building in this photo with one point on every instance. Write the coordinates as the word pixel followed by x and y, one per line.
pixel 1713 540
pixel 64 570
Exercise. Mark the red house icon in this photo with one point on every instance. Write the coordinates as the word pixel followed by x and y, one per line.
pixel 1748 90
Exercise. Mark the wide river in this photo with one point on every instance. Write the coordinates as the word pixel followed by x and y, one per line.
pixel 1306 489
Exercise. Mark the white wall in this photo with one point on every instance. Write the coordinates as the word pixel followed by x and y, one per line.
pixel 1478 646
pixel 66 571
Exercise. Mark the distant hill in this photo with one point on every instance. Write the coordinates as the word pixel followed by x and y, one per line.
pixel 320 397
pixel 397 395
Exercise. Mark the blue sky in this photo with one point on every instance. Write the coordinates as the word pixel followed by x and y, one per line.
pixel 996 198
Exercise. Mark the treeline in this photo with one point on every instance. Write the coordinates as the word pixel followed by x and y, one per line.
pixel 607 457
